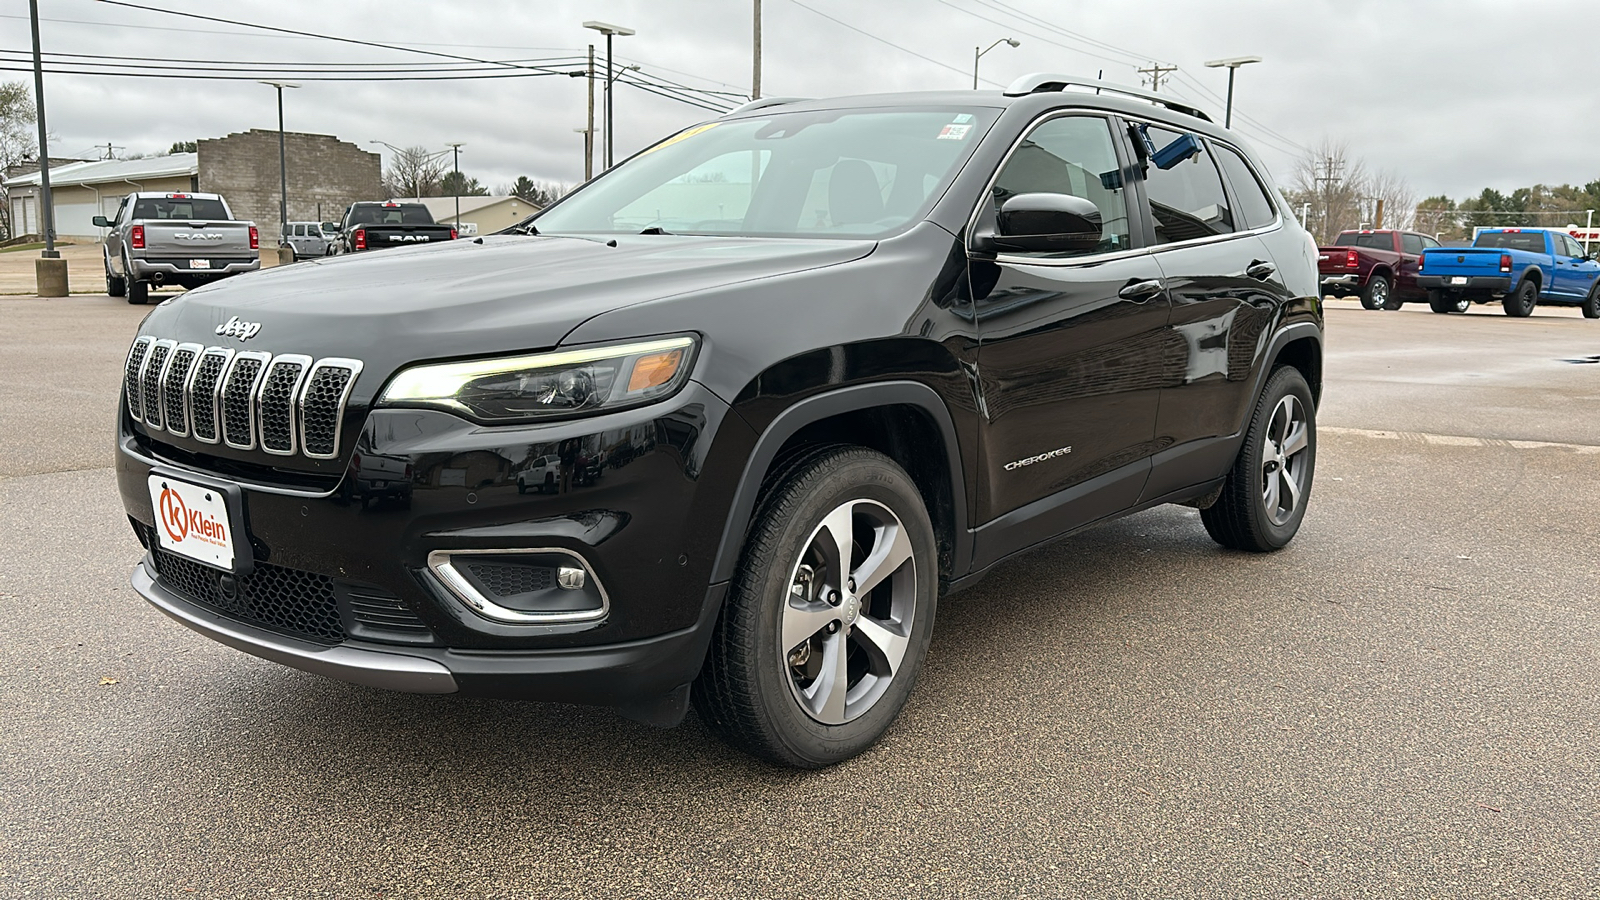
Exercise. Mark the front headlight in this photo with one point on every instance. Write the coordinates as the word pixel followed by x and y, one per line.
pixel 548 385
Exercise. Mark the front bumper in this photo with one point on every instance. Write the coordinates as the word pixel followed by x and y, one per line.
pixel 622 675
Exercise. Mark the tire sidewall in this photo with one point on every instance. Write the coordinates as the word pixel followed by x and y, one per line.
pixel 1591 304
pixel 763 582
pixel 1284 381
pixel 1370 297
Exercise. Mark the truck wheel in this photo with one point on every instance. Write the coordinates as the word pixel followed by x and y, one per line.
pixel 1264 497
pixel 116 286
pixel 829 616
pixel 1519 303
pixel 1440 302
pixel 1376 293
pixel 1591 305
pixel 138 292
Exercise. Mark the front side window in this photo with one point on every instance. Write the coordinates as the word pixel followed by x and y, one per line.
pixel 1411 243
pixel 1428 242
pixel 839 173
pixel 1571 246
pixel 1186 200
pixel 1071 155
pixel 1255 207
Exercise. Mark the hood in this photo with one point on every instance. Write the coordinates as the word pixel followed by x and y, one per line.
pixel 497 294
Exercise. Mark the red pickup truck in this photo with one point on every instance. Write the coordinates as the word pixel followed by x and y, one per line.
pixel 1380 266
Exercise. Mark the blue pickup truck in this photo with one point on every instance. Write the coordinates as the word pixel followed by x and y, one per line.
pixel 1520 267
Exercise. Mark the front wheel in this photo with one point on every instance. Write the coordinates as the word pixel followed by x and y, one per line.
pixel 1376 294
pixel 1591 304
pixel 1264 497
pixel 116 285
pixel 828 618
pixel 1519 303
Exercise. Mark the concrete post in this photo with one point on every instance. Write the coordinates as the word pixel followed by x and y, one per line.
pixel 52 276
pixel 270 257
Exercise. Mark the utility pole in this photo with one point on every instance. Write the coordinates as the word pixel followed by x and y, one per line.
pixel 455 148
pixel 755 72
pixel 47 212
pixel 1326 182
pixel 1157 72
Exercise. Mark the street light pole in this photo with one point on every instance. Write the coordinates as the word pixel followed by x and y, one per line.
pixel 283 165
pixel 1232 64
pixel 978 54
pixel 47 213
pixel 610 31
pixel 456 164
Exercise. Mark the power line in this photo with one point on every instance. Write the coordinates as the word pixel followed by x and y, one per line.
pixel 1156 71
pixel 880 40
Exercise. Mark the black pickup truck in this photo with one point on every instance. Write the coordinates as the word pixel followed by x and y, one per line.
pixel 373 225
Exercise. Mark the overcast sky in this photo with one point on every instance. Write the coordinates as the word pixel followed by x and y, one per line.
pixel 1453 95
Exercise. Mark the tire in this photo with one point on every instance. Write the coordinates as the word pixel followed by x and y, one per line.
pixel 138 292
pixel 1250 514
pixel 1440 302
pixel 116 285
pixel 1519 303
pixel 783 698
pixel 1591 304
pixel 521 488
pixel 1376 295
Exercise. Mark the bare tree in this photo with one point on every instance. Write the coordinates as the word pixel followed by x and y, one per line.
pixel 1333 184
pixel 17 140
pixel 1398 201
pixel 414 172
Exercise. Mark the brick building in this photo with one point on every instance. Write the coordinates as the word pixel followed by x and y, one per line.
pixel 325 175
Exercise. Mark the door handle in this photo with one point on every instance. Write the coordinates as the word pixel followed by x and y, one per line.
pixel 1260 271
pixel 1140 291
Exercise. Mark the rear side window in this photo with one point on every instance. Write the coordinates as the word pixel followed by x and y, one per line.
pixel 1255 207
pixel 1187 200
pixel 1411 243
pixel 1531 241
pixel 180 208
pixel 1071 155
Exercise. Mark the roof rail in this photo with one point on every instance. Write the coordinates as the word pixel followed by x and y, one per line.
pixel 763 103
pixel 1040 82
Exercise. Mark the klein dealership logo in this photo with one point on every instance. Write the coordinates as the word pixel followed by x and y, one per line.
pixel 180 521
pixel 239 328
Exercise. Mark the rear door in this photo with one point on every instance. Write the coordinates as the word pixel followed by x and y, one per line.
pixel 1410 253
pixel 1226 292
pixel 1070 361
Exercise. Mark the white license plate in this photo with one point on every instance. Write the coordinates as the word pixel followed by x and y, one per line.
pixel 199 263
pixel 192 521
pixel 1458 279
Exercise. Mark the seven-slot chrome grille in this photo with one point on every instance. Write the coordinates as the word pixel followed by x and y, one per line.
pixel 283 404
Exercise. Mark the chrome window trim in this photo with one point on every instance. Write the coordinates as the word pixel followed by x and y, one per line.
pixel 299 410
pixel 259 428
pixel 216 392
pixel 144 373
pixel 183 389
pixel 439 563
pixel 136 412
pixel 250 405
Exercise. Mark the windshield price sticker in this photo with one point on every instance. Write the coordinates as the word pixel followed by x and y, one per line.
pixel 954 132
pixel 192 521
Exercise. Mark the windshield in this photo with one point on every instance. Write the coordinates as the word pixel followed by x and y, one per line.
pixel 1532 241
pixel 829 173
pixel 179 208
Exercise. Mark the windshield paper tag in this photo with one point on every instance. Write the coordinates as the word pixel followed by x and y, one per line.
pixel 682 135
pixel 954 132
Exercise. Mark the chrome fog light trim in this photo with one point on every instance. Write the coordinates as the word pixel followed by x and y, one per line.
pixel 441 564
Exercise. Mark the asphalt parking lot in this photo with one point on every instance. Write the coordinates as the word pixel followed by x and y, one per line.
pixel 1405 702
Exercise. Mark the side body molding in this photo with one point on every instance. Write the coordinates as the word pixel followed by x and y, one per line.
pixel 821 406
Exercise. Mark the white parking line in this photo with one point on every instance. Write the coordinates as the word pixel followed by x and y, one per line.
pixel 1452 440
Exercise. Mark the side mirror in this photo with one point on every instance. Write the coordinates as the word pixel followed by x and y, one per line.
pixel 1041 223
pixel 100 222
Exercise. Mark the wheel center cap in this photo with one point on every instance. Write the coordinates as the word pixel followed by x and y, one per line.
pixel 850 609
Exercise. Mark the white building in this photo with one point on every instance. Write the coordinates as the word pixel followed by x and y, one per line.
pixel 83 190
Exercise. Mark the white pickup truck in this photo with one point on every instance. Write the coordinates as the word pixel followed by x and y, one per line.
pixel 183 239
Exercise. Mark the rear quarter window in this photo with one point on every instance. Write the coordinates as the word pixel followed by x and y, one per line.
pixel 1255 207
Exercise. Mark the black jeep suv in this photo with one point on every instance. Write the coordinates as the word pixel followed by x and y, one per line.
pixel 784 380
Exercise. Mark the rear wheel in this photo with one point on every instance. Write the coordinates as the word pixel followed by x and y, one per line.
pixel 1376 293
pixel 1519 303
pixel 138 292
pixel 1591 305
pixel 1264 497
pixel 829 616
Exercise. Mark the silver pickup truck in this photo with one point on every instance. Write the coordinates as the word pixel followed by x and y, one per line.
pixel 182 239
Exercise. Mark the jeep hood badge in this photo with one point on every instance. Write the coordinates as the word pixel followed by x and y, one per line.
pixel 239 328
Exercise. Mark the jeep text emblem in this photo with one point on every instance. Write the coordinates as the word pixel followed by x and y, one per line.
pixel 239 328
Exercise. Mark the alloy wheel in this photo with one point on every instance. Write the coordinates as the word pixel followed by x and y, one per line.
pixel 846 622
pixel 1283 459
pixel 1380 293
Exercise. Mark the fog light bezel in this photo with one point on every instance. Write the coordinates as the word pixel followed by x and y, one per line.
pixel 441 565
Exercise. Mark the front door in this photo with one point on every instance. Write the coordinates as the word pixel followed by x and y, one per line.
pixel 1070 357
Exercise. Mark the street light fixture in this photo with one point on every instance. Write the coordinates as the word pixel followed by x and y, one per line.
pixel 978 54
pixel 610 31
pixel 1232 64
pixel 283 165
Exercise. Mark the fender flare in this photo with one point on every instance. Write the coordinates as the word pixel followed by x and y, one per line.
pixel 821 406
pixel 1280 339
pixel 1540 283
